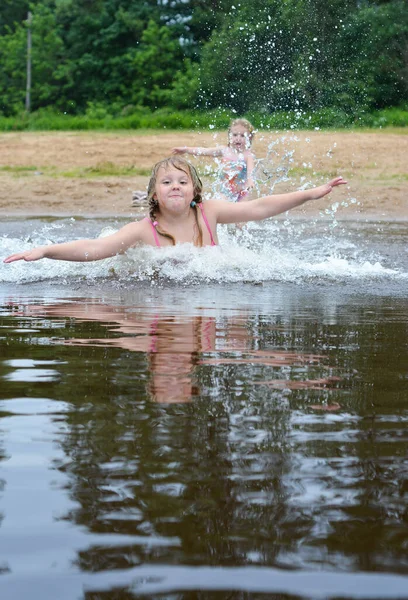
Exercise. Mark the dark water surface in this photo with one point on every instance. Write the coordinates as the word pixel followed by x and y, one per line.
pixel 221 441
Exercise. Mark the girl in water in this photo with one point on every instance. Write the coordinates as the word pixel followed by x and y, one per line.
pixel 236 161
pixel 176 216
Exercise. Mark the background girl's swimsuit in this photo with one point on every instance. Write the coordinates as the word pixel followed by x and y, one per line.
pixel 156 237
pixel 232 176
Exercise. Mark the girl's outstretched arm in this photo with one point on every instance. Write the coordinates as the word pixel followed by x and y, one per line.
pixel 269 206
pixel 198 151
pixel 84 250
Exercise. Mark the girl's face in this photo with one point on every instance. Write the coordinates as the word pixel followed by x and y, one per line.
pixel 174 188
pixel 239 138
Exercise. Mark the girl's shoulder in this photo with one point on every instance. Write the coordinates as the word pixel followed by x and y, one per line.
pixel 141 231
pixel 139 226
pixel 143 224
pixel 209 204
pixel 210 207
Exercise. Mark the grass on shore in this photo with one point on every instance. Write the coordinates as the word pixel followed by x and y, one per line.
pixel 141 120
pixel 104 169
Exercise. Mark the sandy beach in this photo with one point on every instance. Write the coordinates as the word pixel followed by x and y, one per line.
pixel 70 173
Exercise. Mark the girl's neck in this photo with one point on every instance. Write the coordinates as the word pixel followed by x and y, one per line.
pixel 236 150
pixel 183 227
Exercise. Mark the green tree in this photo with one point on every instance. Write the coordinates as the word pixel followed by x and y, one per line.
pixel 12 14
pixel 47 60
pixel 113 54
pixel 195 20
pixel 13 58
pixel 152 66
pixel 263 55
pixel 307 54
pixel 383 59
pixel 185 87
pixel 248 62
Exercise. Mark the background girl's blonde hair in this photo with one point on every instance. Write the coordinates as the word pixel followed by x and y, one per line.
pixel 182 165
pixel 244 123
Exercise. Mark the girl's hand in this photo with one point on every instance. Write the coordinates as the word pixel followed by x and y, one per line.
pixel 27 255
pixel 325 189
pixel 245 191
pixel 179 150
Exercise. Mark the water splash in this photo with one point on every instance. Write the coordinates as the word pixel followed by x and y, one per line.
pixel 274 167
pixel 275 250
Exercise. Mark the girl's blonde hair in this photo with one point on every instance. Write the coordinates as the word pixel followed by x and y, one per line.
pixel 244 123
pixel 154 209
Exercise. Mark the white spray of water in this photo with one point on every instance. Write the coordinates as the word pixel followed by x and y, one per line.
pixel 261 252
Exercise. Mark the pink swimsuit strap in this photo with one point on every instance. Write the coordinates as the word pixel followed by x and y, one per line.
pixel 207 223
pixel 156 237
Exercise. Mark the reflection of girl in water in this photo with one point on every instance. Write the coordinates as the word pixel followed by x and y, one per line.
pixel 173 345
pixel 176 345
pixel 175 350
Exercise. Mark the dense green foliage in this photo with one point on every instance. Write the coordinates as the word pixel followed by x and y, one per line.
pixel 98 119
pixel 117 62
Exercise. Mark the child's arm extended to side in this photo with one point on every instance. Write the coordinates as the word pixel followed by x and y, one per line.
pixel 268 206
pixel 196 151
pixel 84 250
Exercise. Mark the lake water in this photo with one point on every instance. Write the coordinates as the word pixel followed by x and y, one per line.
pixel 214 423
